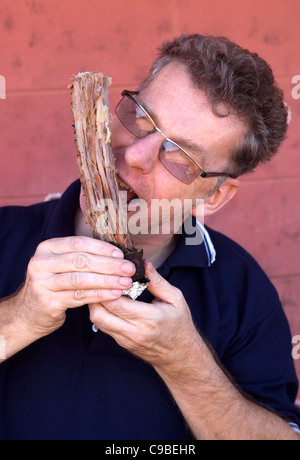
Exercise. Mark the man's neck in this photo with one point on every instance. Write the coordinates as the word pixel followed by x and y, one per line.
pixel 157 248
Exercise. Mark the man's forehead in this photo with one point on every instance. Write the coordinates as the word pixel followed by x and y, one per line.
pixel 173 88
pixel 173 82
pixel 183 110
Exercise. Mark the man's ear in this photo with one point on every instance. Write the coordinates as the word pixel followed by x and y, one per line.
pixel 218 198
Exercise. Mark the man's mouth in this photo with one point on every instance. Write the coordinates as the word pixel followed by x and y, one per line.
pixel 130 194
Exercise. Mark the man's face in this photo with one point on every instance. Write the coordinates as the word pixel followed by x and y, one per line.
pixel 183 113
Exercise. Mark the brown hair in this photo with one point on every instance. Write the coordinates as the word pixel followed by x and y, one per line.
pixel 241 81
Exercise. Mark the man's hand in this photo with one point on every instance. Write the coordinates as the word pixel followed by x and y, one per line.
pixel 163 334
pixel 160 332
pixel 63 273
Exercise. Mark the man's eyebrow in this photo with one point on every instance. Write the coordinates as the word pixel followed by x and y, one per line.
pixel 195 150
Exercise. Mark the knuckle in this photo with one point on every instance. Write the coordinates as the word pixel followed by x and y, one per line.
pixel 77 244
pixel 33 266
pixel 43 246
pixel 104 248
pixel 80 261
pixel 139 340
pixel 35 286
pixel 177 294
pixel 93 315
pixel 94 319
pixel 151 329
pixel 79 294
pixel 146 335
pixel 75 280
pixel 158 317
pixel 98 294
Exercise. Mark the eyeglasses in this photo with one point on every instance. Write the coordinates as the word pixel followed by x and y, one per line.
pixel 174 158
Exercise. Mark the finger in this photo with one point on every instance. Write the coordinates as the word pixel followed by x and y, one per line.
pixel 83 262
pixel 158 286
pixel 77 298
pixel 86 281
pixel 108 322
pixel 80 244
pixel 133 310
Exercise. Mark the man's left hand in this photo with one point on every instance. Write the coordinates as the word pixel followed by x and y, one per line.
pixel 160 333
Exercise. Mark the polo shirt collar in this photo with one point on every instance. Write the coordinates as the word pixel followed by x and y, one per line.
pixel 192 250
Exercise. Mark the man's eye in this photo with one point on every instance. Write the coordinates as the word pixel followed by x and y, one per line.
pixel 174 154
pixel 170 147
pixel 144 124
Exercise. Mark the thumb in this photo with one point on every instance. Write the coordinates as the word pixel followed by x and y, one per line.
pixel 158 286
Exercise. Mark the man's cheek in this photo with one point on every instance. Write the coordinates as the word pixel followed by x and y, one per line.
pixel 120 136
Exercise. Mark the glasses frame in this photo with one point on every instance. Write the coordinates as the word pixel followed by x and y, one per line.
pixel 202 172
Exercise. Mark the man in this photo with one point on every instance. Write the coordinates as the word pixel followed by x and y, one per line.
pixel 205 352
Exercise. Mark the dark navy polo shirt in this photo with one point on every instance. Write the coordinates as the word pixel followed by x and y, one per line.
pixel 78 384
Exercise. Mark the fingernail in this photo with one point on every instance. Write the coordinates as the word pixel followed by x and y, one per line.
pixel 118 254
pixel 128 268
pixel 125 282
pixel 148 265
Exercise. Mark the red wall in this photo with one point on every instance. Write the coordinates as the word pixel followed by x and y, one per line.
pixel 44 42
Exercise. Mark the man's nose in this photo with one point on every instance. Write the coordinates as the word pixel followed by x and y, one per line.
pixel 142 153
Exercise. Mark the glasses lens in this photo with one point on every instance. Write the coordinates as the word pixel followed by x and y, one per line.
pixel 178 163
pixel 133 117
pixel 175 160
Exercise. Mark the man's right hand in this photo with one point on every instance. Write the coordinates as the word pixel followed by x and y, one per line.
pixel 63 273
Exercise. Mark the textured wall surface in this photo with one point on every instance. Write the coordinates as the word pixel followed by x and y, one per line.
pixel 44 42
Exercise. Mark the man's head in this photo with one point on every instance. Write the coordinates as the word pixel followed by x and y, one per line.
pixel 150 166
pixel 217 102
pixel 235 81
